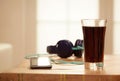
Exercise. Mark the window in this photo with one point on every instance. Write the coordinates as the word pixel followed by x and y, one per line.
pixel 60 19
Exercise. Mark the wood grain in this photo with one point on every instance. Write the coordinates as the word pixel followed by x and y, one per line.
pixel 59 72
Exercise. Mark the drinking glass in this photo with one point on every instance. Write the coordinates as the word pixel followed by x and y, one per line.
pixel 94 39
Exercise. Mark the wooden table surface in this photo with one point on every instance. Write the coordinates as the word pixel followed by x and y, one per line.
pixel 63 72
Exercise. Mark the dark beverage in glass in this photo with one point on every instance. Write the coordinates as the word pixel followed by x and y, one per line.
pixel 94 43
pixel 94 38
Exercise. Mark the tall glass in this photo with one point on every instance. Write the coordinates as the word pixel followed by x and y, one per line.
pixel 94 37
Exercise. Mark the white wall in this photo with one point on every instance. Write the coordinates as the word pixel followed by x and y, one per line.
pixel 116 27
pixel 18 26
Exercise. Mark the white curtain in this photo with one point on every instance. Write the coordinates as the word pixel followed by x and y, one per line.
pixel 60 19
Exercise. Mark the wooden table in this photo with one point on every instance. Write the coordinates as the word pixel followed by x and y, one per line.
pixel 111 72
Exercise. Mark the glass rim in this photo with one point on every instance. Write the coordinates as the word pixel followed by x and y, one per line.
pixel 94 22
pixel 94 19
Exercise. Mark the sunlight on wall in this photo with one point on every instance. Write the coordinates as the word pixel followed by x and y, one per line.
pixel 116 27
pixel 60 19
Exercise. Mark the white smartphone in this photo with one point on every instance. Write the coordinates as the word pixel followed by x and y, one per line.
pixel 40 63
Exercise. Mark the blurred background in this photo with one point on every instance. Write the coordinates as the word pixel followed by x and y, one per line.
pixel 31 25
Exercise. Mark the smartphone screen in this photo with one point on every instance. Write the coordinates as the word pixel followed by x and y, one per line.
pixel 40 63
